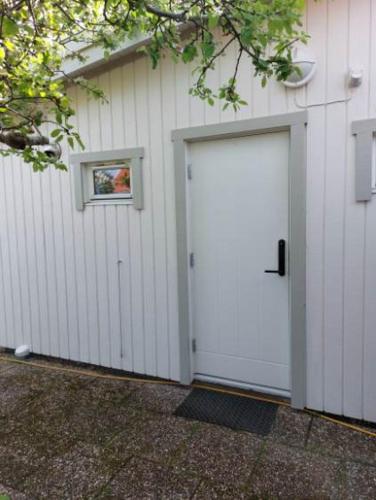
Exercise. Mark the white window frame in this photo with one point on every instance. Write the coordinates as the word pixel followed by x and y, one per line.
pixel 365 158
pixel 91 167
pixel 83 166
pixel 373 173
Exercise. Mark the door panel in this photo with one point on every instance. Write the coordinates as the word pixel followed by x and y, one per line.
pixel 239 211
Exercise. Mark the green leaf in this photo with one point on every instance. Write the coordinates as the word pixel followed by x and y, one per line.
pixel 2 54
pixel 71 142
pixel 189 53
pixel 212 21
pixel 9 27
pixel 207 49
pixel 55 132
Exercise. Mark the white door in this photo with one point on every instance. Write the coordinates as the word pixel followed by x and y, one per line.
pixel 239 213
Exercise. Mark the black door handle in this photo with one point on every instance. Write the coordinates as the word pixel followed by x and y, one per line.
pixel 281 259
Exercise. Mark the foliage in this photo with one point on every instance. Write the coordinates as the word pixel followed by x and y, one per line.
pixel 36 36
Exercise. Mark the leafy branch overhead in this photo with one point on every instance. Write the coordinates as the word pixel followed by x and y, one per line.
pixel 37 35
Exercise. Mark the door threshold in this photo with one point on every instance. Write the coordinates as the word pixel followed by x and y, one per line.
pixel 256 389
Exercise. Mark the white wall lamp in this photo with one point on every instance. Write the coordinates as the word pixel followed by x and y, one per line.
pixel 307 68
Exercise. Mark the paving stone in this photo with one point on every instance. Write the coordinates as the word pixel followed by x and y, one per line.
pixel 212 491
pixel 155 437
pixel 220 454
pixel 22 384
pixel 18 386
pixel 142 479
pixel 5 365
pixel 157 397
pixel 16 466
pixel 359 483
pixel 332 439
pixel 42 426
pixel 72 475
pixel 37 437
pixel 8 493
pixel 101 410
pixel 284 472
pixel 105 392
pixel 290 427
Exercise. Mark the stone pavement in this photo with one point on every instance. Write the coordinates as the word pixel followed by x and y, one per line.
pixel 74 436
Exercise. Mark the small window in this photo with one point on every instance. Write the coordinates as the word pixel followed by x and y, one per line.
pixel 108 177
pixel 110 181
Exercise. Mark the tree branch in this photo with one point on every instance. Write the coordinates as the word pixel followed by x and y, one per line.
pixel 16 140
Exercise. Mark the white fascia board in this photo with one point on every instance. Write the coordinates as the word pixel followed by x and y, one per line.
pixel 95 56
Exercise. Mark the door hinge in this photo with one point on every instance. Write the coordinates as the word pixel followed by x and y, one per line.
pixel 194 346
pixel 191 259
pixel 189 171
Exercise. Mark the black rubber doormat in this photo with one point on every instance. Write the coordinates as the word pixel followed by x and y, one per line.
pixel 236 412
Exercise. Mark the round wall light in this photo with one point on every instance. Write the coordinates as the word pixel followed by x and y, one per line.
pixel 307 68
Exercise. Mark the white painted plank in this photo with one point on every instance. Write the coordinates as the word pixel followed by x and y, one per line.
pixel 315 216
pixel 92 285
pixel 131 277
pixel 101 262
pixel 369 344
pixel 4 313
pixel 21 252
pixel 8 333
pixel 106 247
pixel 359 27
pixel 69 247
pixel 79 238
pixel 159 220
pixel 14 261
pixel 51 298
pixel 125 288
pixel 93 141
pixel 181 90
pixel 316 167
pixel 148 345
pixel 317 27
pixel 113 270
pixel 333 257
pixel 59 258
pixel 38 229
pixel 129 106
pixel 175 109
pixel 27 202
pixel 117 111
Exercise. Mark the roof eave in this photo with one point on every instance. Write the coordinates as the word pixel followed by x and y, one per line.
pixel 94 56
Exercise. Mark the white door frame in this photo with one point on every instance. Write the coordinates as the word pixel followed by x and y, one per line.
pixel 295 124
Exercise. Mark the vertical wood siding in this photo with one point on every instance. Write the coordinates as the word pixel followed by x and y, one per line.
pixel 100 286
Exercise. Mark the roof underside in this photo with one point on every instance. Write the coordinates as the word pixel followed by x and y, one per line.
pixel 95 56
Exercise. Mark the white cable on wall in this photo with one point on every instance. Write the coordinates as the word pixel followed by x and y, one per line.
pixel 327 103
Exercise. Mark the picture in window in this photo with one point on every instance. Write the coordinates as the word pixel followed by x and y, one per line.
pixel 114 180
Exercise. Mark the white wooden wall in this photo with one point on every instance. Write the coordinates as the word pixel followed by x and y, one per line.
pixel 62 288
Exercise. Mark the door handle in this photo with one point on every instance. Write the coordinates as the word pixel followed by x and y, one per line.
pixel 281 259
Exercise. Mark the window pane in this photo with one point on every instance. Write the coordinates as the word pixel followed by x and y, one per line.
pixel 112 180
